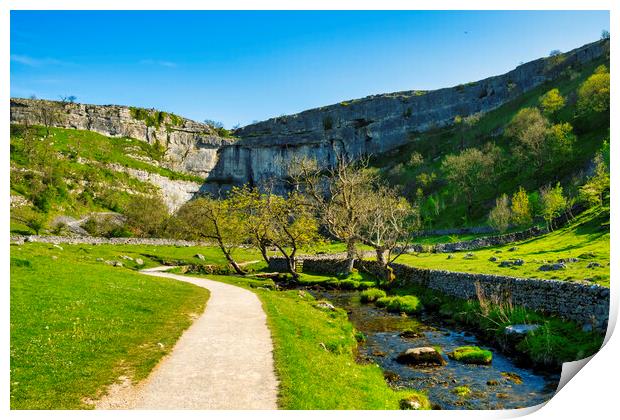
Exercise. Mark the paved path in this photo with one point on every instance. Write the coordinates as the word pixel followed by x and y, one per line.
pixel 223 361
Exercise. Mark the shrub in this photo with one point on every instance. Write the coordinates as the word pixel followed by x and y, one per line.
pixel 371 295
pixel 384 301
pixel 551 101
pixel 500 215
pixel 471 355
pixel 406 304
pixel 594 93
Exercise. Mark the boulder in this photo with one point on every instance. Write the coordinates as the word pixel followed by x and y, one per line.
pixel 200 257
pixel 493 259
pixel 513 249
pixel 506 264
pixel 325 305
pixel 519 262
pixel 593 265
pixel 139 261
pixel 421 356
pixel 552 267
pixel 411 403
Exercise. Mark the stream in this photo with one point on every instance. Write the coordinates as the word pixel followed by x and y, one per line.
pixel 489 388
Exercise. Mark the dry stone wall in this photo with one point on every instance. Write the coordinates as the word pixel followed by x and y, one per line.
pixel 585 304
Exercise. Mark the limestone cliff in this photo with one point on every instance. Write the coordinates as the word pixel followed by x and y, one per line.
pixel 191 147
pixel 366 126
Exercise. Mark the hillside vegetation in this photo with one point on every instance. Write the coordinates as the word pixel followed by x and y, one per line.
pixel 456 173
pixel 71 172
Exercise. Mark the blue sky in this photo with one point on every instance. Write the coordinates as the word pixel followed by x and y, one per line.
pixel 237 67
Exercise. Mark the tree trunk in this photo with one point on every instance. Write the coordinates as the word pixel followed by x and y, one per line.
pixel 351 252
pixel 290 261
pixel 381 256
pixel 263 251
pixel 230 259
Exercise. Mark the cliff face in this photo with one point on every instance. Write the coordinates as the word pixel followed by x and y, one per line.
pixel 378 123
pixel 371 125
pixel 191 147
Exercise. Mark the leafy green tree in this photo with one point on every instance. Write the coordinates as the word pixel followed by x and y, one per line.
pixel 215 220
pixel 468 172
pixel 594 93
pixel 593 191
pixel 521 208
pixel 500 215
pixel 146 215
pixel 551 102
pixel 536 143
pixel 553 203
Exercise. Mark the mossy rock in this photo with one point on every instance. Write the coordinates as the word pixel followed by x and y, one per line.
pixel 471 355
pixel 462 391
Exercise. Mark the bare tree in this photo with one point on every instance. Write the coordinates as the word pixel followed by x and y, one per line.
pixel 337 195
pixel 48 115
pixel 391 223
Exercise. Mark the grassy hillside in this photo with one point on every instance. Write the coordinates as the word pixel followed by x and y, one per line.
pixel 586 238
pixel 68 172
pixel 424 181
pixel 77 324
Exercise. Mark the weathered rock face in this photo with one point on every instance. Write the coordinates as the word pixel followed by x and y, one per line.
pixel 379 123
pixel 370 125
pixel 191 147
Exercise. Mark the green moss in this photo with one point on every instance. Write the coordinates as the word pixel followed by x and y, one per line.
pixel 471 355
pixel 462 391
pixel 371 295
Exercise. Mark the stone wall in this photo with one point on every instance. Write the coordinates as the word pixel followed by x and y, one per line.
pixel 585 304
pixel 95 240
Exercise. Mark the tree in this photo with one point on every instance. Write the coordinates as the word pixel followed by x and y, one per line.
pixel 392 223
pixel 593 94
pixel 553 203
pixel 292 226
pixel 338 196
pixel 537 142
pixel 256 221
pixel 500 215
pixel 521 208
pixel 551 102
pixel 593 191
pixel 271 220
pixel 605 34
pixel 48 115
pixel 416 160
pixel 214 124
pixel 146 215
pixel 214 220
pixel 468 172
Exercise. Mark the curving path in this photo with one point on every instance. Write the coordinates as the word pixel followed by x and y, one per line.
pixel 223 361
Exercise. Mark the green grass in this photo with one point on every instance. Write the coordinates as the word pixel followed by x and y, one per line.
pixel 408 304
pixel 314 352
pixel 586 238
pixel 371 295
pixel 77 324
pixel 471 355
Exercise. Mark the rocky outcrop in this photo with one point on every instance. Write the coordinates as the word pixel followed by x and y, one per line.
pixel 191 147
pixel 96 240
pixel 378 123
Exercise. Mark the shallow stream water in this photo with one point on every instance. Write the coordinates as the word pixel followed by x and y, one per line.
pixel 489 388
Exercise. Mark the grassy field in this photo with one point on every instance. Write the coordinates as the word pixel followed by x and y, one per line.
pixel 587 239
pixel 78 324
pixel 314 351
